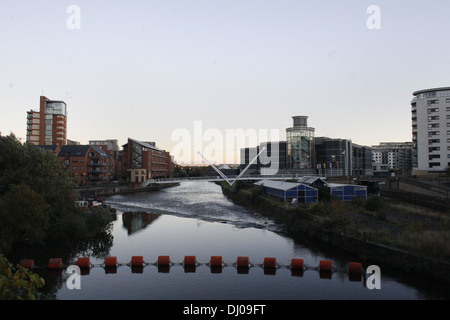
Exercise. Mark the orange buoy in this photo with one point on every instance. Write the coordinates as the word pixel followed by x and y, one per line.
pixel 163 261
pixel 29 264
pixel 189 261
pixel 83 262
pixel 110 261
pixel 325 265
pixel 270 263
pixel 355 268
pixel 297 264
pixel 216 261
pixel 55 263
pixel 242 262
pixel 137 261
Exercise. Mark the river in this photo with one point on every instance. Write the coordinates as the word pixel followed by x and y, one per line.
pixel 196 219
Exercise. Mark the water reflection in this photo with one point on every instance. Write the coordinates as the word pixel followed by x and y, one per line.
pixel 137 221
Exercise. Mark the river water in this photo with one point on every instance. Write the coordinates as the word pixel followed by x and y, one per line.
pixel 196 219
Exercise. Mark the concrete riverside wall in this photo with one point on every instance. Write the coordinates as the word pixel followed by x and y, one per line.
pixel 406 261
pixel 301 224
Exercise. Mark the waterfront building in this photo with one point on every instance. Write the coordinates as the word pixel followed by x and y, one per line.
pixel 111 148
pixel 361 160
pixel 48 126
pixel 333 156
pixel 289 191
pixel 394 157
pixel 430 115
pixel 300 144
pixel 88 164
pixel 143 160
pixel 316 182
pixel 347 192
pixel 342 157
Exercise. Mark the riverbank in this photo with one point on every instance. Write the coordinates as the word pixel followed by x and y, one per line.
pixel 112 190
pixel 400 234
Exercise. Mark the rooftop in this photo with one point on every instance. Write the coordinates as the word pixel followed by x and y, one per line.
pixel 279 185
pixel 430 90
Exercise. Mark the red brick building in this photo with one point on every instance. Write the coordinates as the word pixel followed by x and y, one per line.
pixel 48 126
pixel 86 163
pixel 142 161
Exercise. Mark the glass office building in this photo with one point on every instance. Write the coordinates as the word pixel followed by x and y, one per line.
pixel 300 144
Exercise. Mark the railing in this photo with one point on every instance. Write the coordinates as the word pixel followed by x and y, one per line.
pixel 218 178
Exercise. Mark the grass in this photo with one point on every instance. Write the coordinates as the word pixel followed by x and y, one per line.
pixel 396 224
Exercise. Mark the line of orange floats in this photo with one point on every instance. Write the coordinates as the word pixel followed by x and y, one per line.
pixel 354 268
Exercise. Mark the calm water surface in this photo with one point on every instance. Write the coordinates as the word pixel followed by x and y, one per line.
pixel 196 219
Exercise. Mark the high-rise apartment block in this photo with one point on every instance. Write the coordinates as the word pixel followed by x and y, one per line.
pixel 48 126
pixel 430 114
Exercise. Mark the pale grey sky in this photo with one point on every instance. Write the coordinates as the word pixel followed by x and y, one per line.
pixel 144 69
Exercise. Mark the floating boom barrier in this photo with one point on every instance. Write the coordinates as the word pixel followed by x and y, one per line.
pixel 297 266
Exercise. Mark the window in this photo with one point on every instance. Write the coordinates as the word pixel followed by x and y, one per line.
pixel 433 125
pixel 433 110
pixel 430 102
pixel 434 133
pixel 434 149
pixel 431 118
pixel 434 156
pixel 447 100
pixel 434 164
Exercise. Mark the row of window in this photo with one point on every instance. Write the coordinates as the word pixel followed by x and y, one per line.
pixel 434 118
pixel 433 110
pixel 436 125
pixel 436 133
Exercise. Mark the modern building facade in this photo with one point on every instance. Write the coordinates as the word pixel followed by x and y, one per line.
pixel 300 144
pixel 302 154
pixel 361 160
pixel 333 156
pixel 430 114
pixel 392 157
pixel 48 126
pixel 143 160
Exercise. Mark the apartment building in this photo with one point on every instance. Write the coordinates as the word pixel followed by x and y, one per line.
pixel 143 160
pixel 430 114
pixel 394 157
pixel 48 126
pixel 87 164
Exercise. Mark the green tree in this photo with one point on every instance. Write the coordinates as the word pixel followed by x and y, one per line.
pixel 37 197
pixel 24 216
pixel 19 283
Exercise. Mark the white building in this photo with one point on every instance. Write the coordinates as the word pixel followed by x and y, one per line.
pixel 430 110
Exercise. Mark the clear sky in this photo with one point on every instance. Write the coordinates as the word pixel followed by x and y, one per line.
pixel 145 69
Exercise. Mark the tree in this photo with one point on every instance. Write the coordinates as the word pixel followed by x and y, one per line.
pixel 24 216
pixel 37 198
pixel 19 283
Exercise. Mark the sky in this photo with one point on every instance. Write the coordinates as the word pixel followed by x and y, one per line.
pixel 178 72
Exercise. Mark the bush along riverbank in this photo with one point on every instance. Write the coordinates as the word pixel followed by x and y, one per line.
pixel 406 236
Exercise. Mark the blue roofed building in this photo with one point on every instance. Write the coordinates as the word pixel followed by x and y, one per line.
pixel 347 192
pixel 289 191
